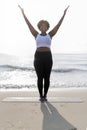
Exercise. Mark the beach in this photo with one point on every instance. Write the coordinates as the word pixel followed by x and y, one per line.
pixel 59 114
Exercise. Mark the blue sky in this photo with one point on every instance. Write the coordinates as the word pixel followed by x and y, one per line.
pixel 16 38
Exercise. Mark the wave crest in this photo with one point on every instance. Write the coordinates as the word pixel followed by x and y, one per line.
pixel 10 67
pixel 62 70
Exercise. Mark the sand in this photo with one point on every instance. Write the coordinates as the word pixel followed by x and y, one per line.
pixel 44 116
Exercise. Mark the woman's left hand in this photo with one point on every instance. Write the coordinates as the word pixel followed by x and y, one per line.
pixel 66 9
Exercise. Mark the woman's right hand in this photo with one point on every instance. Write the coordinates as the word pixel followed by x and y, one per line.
pixel 22 10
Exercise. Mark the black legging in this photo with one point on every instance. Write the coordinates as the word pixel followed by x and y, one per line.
pixel 43 65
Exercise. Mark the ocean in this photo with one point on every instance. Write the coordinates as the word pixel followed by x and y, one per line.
pixel 69 71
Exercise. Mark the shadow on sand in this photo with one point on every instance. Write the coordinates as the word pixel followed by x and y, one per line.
pixel 52 120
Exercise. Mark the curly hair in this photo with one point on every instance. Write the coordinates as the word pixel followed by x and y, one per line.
pixel 43 21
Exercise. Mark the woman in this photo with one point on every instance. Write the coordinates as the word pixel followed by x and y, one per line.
pixel 43 57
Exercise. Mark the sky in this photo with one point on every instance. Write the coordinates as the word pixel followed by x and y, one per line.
pixel 16 39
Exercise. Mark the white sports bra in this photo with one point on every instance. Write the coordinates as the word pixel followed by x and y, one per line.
pixel 43 41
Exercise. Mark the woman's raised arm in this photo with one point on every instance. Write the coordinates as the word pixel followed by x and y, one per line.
pixel 55 29
pixel 32 29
